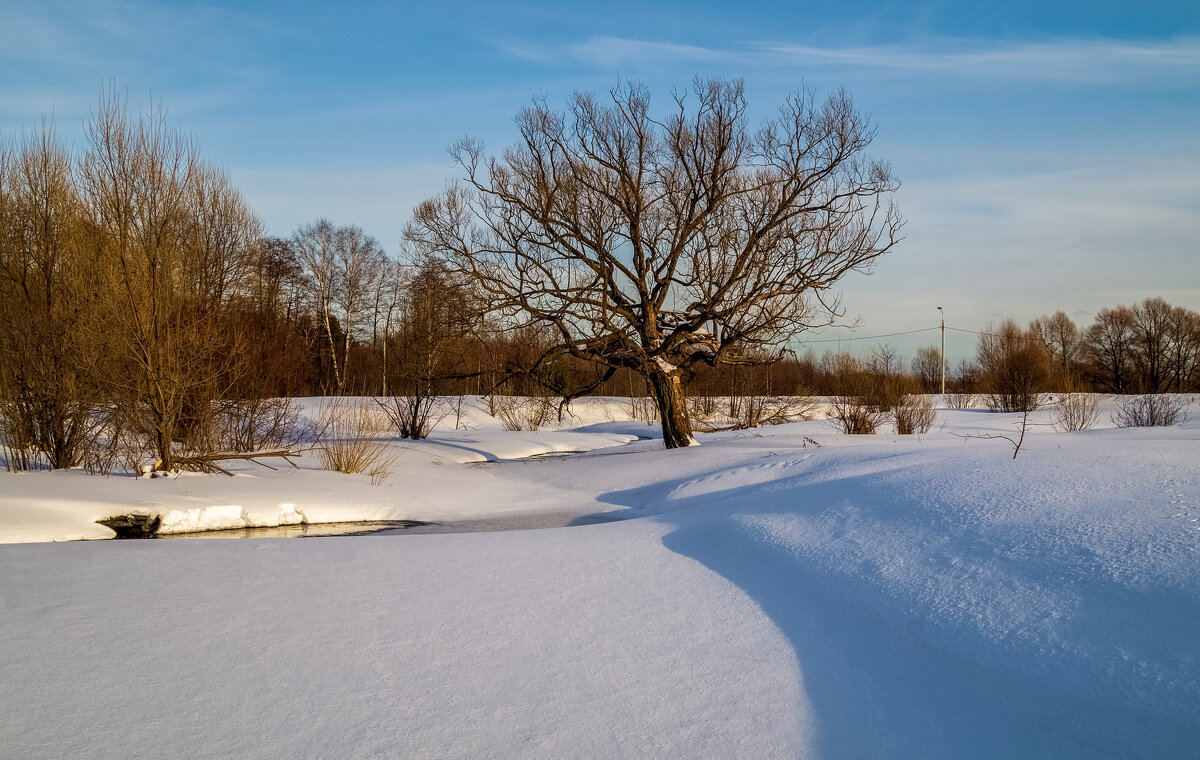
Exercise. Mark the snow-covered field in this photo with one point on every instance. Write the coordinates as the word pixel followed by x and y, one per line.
pixel 871 597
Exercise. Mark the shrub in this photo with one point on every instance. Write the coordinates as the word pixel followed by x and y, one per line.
pixel 861 398
pixel 1076 411
pixel 962 400
pixel 853 416
pixel 521 412
pixel 914 414
pixel 754 411
pixel 414 416
pixel 253 424
pixel 643 409
pixel 1151 410
pixel 347 439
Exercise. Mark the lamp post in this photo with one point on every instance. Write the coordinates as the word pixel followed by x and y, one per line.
pixel 943 315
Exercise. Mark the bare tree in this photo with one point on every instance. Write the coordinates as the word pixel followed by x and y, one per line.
pixel 437 317
pixel 135 176
pixel 657 245
pixel 48 398
pixel 966 377
pixel 887 382
pixel 1015 364
pixel 1183 354
pixel 1065 342
pixel 1151 339
pixel 221 235
pixel 342 265
pixel 1108 347
pixel 275 282
pixel 927 368
pixel 174 239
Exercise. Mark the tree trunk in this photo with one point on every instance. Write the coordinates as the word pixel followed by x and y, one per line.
pixel 672 408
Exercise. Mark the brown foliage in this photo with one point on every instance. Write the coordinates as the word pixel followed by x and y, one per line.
pixel 1015 365
pixel 914 414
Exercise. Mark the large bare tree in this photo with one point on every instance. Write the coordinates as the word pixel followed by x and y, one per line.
pixel 659 244
pixel 173 239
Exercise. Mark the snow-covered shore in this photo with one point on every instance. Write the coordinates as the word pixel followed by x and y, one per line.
pixel 876 596
pixel 427 482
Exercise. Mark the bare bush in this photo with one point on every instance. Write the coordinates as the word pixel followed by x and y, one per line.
pixel 854 417
pixel 756 411
pixel 643 408
pixel 777 410
pixel 914 414
pixel 521 412
pixel 254 424
pixel 1151 410
pixel 19 454
pixel 349 438
pixel 961 400
pixel 1076 411
pixel 860 401
pixel 414 416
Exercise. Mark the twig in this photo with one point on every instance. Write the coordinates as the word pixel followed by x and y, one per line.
pixel 1015 444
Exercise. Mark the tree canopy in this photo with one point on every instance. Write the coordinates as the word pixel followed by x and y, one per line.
pixel 658 244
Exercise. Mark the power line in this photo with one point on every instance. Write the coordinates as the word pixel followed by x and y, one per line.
pixel 893 335
pixel 872 337
pixel 973 332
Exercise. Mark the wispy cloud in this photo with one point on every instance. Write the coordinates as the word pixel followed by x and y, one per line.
pixel 1091 60
pixel 1067 59
pixel 610 51
pixel 115 36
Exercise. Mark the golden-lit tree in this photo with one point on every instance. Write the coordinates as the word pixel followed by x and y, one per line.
pixel 659 244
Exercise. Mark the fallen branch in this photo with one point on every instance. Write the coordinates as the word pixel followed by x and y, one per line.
pixel 207 462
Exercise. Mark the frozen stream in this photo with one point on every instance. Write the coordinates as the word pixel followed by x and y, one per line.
pixel 526 521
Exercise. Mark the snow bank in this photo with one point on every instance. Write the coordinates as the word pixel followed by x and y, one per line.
pixel 204 518
pixel 870 596
pixel 227 517
pixel 425 483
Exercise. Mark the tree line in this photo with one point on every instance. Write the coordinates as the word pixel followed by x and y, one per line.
pixel 144 312
pixel 1149 347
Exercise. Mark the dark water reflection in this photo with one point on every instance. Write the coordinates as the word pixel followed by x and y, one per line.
pixel 531 521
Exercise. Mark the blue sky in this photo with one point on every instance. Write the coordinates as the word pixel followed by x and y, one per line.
pixel 1049 152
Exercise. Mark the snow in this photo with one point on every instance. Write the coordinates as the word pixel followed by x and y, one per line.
pixel 426 484
pixel 875 596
